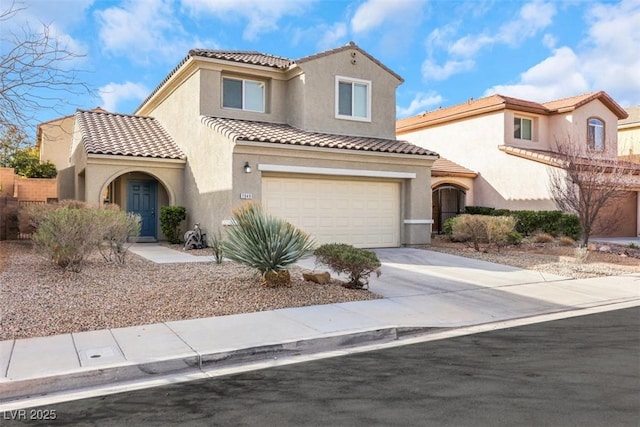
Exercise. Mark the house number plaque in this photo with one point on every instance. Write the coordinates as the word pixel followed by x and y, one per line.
pixel 246 196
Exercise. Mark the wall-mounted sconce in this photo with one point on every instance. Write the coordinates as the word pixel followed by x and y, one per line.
pixel 247 167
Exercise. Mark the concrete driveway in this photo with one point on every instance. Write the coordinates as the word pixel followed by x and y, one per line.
pixel 410 272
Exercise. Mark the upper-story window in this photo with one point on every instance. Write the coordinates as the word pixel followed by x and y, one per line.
pixel 243 94
pixel 595 134
pixel 353 99
pixel 523 128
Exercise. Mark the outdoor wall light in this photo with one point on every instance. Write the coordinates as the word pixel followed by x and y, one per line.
pixel 247 167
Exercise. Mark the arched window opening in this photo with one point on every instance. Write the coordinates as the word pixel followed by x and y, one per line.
pixel 595 134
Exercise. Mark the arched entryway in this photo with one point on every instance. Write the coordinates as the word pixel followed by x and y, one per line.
pixel 448 201
pixel 142 194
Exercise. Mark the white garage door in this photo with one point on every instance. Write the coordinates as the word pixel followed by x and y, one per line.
pixel 365 214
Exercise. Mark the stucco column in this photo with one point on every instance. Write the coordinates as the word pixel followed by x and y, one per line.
pixel 417 221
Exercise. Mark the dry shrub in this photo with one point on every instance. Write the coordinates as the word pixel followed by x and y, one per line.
pixel 484 231
pixel 542 238
pixel 581 254
pixel 566 241
pixel 68 232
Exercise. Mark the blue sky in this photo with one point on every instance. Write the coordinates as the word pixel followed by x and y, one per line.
pixel 447 51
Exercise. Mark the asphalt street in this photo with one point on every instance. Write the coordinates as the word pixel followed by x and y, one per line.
pixel 581 371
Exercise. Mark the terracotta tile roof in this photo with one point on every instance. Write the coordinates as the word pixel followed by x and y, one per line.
pixel 556 159
pixel 245 57
pixel 244 130
pixel 257 58
pixel 633 117
pixel 446 167
pixel 124 135
pixel 500 102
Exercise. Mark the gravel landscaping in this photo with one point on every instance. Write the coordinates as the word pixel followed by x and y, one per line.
pixel 605 260
pixel 40 299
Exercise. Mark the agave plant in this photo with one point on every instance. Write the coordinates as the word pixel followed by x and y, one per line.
pixel 267 243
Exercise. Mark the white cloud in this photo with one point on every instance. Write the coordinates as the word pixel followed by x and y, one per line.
pixel 421 102
pixel 113 93
pixel 531 19
pixel 262 15
pixel 609 60
pixel 555 77
pixel 373 13
pixel 145 30
pixel 433 71
pixel 332 36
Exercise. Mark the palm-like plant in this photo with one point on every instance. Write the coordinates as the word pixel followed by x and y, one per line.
pixel 267 243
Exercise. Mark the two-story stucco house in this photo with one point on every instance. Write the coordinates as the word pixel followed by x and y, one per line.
pixel 311 139
pixel 512 144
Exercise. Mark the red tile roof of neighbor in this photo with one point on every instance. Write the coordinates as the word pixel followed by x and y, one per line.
pixel 446 167
pixel 500 102
pixel 556 159
pixel 245 130
pixel 125 135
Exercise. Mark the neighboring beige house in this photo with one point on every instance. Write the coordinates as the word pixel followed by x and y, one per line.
pixel 512 145
pixel 312 139
pixel 629 135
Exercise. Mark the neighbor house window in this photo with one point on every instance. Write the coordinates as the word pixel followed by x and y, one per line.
pixel 353 99
pixel 522 128
pixel 595 134
pixel 243 94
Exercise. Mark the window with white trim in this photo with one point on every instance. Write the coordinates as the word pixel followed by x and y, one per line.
pixel 353 99
pixel 243 94
pixel 523 128
pixel 595 134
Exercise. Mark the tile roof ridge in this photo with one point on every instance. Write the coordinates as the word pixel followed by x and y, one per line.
pixel 194 52
pixel 585 94
pixel 105 112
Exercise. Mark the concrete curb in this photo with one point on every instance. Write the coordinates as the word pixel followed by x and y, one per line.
pixel 13 390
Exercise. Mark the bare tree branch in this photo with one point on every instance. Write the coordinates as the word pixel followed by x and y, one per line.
pixel 36 74
pixel 585 182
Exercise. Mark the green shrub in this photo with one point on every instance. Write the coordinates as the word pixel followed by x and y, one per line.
pixel 170 219
pixel 514 238
pixel 633 246
pixel 569 225
pixel 447 226
pixel 215 243
pixel 265 242
pixel 343 258
pixel 484 231
pixel 479 210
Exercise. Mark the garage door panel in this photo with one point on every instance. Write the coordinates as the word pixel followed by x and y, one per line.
pixel 361 213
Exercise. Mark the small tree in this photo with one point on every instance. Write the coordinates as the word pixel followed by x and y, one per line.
pixel 586 181
pixel 26 162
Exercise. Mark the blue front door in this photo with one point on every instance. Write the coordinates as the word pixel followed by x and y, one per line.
pixel 141 199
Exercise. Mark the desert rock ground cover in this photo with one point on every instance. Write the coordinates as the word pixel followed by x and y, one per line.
pixel 39 299
pixel 551 257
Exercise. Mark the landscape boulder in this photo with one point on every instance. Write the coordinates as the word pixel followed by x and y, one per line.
pixel 321 277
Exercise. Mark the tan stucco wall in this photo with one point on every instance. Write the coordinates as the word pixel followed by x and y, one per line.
pixel 317 110
pixel 504 181
pixel 629 140
pixel 415 193
pixel 55 143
